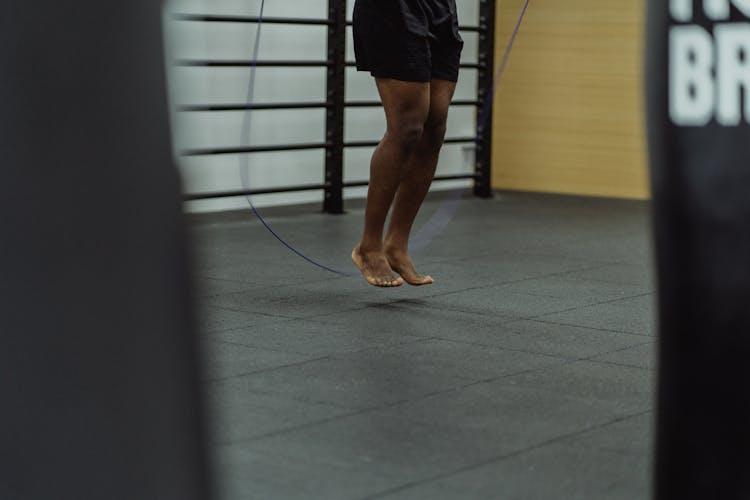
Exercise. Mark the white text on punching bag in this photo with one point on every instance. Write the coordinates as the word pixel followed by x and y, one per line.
pixel 716 10
pixel 709 72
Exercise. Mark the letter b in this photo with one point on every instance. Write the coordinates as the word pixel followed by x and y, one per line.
pixel 691 84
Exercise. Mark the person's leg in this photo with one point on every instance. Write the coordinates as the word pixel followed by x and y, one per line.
pixel 407 106
pixel 415 184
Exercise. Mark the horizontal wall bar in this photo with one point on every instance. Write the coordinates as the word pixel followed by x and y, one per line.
pixel 476 29
pixel 299 147
pixel 251 20
pixel 246 107
pixel 437 178
pixel 251 192
pixel 295 105
pixel 247 64
pixel 278 64
pixel 378 104
pixel 460 140
pixel 253 149
pixel 352 64
pixel 305 187
pixel 369 144
pixel 278 20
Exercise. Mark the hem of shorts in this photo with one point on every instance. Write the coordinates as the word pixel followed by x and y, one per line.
pixel 449 78
pixel 407 78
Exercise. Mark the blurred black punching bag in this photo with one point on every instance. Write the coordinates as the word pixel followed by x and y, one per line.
pixel 98 370
pixel 698 79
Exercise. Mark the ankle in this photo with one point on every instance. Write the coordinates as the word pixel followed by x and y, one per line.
pixel 367 247
pixel 395 245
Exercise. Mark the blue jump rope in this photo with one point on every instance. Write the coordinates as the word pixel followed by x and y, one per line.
pixel 442 216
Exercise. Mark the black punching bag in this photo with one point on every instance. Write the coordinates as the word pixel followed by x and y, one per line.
pixel 98 367
pixel 698 80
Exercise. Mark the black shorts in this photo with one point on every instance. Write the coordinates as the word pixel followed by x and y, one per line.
pixel 409 40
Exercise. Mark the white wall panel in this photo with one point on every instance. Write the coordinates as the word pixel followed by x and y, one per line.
pixel 198 85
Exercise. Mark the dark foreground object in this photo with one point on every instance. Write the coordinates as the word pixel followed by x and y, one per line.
pixel 700 146
pixel 97 365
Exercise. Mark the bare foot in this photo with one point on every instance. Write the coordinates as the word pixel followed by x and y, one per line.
pixel 401 262
pixel 374 267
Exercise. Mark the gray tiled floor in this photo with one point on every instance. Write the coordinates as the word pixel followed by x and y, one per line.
pixel 525 372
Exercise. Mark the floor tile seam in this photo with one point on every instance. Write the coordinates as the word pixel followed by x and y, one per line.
pixel 609 301
pixel 332 355
pixel 266 370
pixel 230 309
pixel 609 282
pixel 277 286
pixel 584 302
pixel 557 356
pixel 372 409
pixel 607 330
pixel 207 333
pixel 462 257
pixel 200 275
pixel 533 317
pixel 233 309
pixel 599 262
pixel 506 349
pixel 315 317
pixel 503 457
pixel 418 340
pixel 563 362
pixel 292 398
pixel 246 287
pixel 225 280
pixel 622 365
pixel 430 306
pixel 537 294
pixel 202 297
pixel 352 412
pixel 282 320
pixel 640 344
pixel 592 358
pixel 588 306
pixel 535 277
pixel 519 253
pixel 621 349
pixel 254 346
pixel 265 284
pixel 510 282
pixel 495 316
pixel 582 327
pixel 255 287
pixel 328 357
pixel 248 440
pixel 299 427
pixel 625 453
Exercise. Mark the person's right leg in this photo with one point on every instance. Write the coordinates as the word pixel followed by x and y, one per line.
pixel 406 105
pixel 416 183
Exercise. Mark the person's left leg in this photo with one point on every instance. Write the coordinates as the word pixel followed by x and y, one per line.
pixel 416 183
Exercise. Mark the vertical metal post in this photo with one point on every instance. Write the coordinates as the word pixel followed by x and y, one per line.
pixel 334 163
pixel 485 82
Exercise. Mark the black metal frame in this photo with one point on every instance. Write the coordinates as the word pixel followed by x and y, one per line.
pixel 334 165
pixel 485 90
pixel 336 105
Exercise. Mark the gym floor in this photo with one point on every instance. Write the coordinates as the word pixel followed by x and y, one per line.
pixel 525 372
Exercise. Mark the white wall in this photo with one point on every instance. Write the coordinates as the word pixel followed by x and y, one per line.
pixel 196 40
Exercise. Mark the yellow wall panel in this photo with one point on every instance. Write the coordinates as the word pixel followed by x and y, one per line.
pixel 568 114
